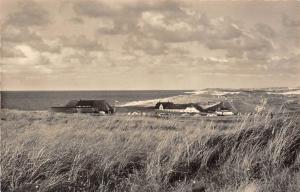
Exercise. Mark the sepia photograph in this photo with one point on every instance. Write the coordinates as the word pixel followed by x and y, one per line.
pixel 149 96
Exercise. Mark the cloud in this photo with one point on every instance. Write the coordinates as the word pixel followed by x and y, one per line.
pixel 27 36
pixel 29 13
pixel 159 6
pixel 155 25
pixel 92 9
pixel 111 27
pixel 288 64
pixel 288 22
pixel 81 58
pixel 265 30
pixel 19 35
pixel 186 27
pixel 144 37
pixel 253 44
pixel 31 60
pixel 291 31
pixel 174 22
pixel 82 42
pixel 76 20
pixel 112 20
pixel 151 47
pixel 147 46
pixel 43 61
pixel 9 51
pixel 125 14
pixel 255 55
pixel 216 33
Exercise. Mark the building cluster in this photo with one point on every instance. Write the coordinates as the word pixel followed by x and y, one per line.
pixel 216 109
pixel 103 107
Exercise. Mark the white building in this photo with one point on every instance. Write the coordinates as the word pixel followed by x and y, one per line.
pixel 191 110
pixel 161 107
pixel 224 113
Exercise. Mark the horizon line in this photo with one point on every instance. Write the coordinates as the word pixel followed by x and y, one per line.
pixel 148 89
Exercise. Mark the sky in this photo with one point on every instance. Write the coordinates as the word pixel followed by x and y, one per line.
pixel 142 45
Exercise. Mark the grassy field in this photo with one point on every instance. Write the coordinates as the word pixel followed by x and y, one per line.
pixel 43 151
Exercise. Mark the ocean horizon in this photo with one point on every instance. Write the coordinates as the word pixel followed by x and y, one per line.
pixel 43 100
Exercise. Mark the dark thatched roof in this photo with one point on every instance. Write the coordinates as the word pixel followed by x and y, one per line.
pixel 166 105
pixel 100 105
pixel 170 105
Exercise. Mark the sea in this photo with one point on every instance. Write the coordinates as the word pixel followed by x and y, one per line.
pixel 43 100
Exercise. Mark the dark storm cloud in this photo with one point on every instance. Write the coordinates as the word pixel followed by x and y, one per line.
pixel 29 13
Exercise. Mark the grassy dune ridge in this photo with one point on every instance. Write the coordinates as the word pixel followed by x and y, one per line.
pixel 43 151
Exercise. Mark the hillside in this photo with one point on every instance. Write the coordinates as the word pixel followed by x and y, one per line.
pixel 242 100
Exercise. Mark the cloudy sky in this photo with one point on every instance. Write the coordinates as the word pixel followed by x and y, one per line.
pixel 130 44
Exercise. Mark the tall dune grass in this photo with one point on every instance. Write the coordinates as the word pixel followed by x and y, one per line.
pixel 42 151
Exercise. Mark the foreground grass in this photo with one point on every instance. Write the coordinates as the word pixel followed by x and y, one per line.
pixel 41 151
